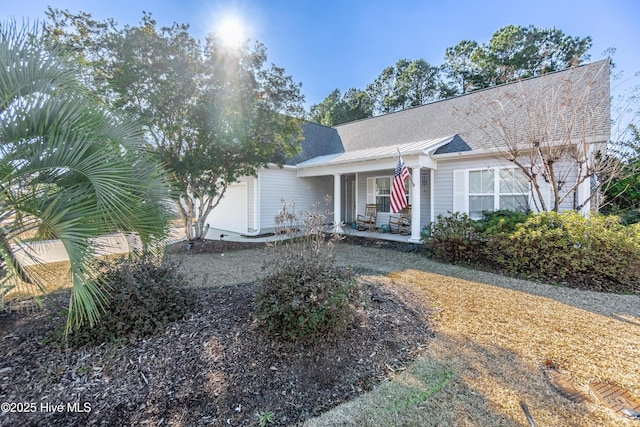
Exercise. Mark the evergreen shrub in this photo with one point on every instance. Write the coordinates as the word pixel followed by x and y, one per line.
pixel 145 294
pixel 596 252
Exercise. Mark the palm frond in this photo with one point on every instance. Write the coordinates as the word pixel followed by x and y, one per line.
pixel 69 167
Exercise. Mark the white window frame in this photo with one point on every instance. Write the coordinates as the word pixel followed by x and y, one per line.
pixel 372 190
pixel 461 192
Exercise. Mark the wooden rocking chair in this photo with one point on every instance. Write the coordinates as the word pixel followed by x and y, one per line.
pixel 368 220
pixel 401 224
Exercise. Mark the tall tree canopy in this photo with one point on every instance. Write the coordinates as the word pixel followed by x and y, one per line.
pixel 463 73
pixel 516 52
pixel 213 113
pixel 335 109
pixel 405 85
pixel 512 53
pixel 71 170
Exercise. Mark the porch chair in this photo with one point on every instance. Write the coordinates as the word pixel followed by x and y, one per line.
pixel 368 220
pixel 401 224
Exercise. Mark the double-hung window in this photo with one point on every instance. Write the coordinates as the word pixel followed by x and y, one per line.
pixel 383 194
pixel 379 192
pixel 513 191
pixel 479 190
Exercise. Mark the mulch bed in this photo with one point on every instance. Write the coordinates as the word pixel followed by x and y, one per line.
pixel 212 246
pixel 222 245
pixel 215 367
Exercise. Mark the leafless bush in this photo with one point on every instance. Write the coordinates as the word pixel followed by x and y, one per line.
pixel 305 296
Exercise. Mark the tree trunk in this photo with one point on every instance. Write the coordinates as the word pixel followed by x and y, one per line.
pixel 185 208
pixel 194 217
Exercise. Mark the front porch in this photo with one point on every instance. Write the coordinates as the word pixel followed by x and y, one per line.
pixel 217 234
pixel 353 192
pixel 379 235
pixel 364 177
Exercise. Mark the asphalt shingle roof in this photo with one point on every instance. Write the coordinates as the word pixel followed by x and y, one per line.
pixel 468 115
pixel 540 104
pixel 317 141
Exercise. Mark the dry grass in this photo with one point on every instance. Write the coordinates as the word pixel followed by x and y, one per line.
pixel 51 277
pixel 494 341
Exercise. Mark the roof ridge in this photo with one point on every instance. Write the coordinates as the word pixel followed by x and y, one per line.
pixel 518 81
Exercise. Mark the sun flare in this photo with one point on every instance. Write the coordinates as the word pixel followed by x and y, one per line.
pixel 232 31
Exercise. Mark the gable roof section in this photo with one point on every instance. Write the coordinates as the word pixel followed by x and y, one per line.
pixel 456 145
pixel 467 116
pixel 318 140
pixel 466 123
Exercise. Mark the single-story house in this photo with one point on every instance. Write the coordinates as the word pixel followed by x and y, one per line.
pixel 454 149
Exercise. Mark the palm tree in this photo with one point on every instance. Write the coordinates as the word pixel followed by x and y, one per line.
pixel 69 169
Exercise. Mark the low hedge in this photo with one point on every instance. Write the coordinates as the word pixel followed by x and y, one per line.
pixel 595 252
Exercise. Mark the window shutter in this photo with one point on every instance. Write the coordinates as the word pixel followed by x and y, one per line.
pixel 371 190
pixel 459 191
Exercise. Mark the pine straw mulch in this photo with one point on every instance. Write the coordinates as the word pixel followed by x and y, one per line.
pixel 497 340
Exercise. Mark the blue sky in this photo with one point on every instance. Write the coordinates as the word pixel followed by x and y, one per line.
pixel 342 44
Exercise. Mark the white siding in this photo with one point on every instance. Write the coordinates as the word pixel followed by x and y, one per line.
pixel 277 184
pixel 232 212
pixel 443 182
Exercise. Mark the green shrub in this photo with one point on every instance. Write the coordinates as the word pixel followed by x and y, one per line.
pixel 628 217
pixel 455 239
pixel 305 296
pixel 596 252
pixel 500 221
pixel 145 294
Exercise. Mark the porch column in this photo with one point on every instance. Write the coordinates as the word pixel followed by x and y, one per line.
pixel 432 217
pixel 415 205
pixel 337 208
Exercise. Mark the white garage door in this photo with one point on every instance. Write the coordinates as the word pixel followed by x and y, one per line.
pixel 231 213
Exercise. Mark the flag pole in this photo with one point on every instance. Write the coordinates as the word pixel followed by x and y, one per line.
pixel 410 175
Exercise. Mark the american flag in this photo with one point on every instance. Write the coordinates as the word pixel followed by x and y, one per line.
pixel 398 192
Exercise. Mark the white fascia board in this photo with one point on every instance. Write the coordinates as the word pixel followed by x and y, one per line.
pixel 348 168
pixel 424 162
pixel 412 161
pixel 495 151
pixel 460 154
